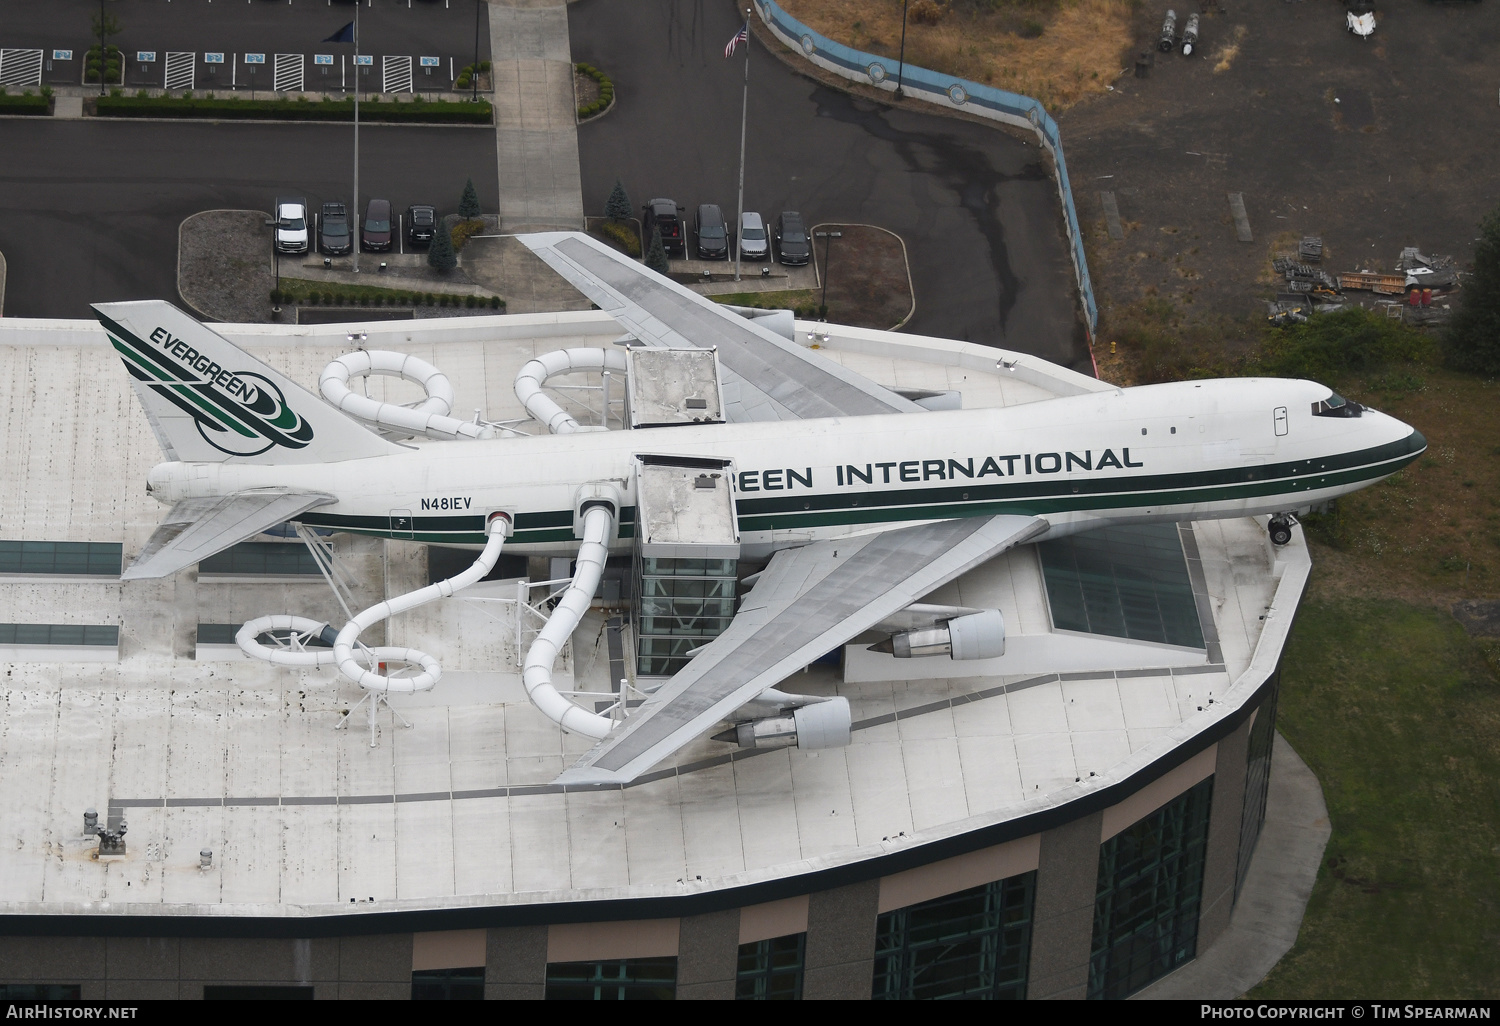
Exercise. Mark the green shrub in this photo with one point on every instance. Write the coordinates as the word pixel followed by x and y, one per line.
pixel 470 302
pixel 188 106
pixel 1353 341
pixel 496 302
pixel 463 81
pixel 623 234
pixel 466 230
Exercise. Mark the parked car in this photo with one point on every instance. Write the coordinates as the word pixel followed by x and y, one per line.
pixel 753 242
pixel 710 232
pixel 665 214
pixel 291 225
pixel 375 233
pixel 792 244
pixel 421 222
pixel 334 237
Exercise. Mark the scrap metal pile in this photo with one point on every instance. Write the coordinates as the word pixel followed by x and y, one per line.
pixel 1309 289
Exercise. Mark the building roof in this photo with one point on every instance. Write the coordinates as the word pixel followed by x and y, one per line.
pixel 200 748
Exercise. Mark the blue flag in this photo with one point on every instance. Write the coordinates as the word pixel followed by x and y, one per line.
pixel 343 35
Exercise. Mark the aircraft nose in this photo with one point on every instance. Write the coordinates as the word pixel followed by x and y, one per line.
pixel 1416 442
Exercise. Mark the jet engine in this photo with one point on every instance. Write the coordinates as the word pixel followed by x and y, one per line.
pixel 1168 33
pixel 975 636
pixel 817 725
pixel 1190 35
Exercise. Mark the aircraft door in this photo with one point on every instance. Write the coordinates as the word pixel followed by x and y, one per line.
pixel 1280 421
pixel 401 523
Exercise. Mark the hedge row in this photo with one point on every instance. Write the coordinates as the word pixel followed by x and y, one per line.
pixel 606 92
pixel 361 296
pixel 24 104
pixel 292 110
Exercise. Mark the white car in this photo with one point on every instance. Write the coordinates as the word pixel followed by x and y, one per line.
pixel 754 243
pixel 291 226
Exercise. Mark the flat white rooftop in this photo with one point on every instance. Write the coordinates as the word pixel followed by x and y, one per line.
pixel 200 748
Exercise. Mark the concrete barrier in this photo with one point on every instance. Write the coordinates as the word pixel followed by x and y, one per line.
pixel 954 94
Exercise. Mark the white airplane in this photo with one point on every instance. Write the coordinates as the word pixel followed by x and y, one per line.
pixel 863 501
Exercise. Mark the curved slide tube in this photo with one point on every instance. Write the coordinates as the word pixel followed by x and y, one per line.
pixel 429 417
pixel 542 655
pixel 542 407
pixel 343 654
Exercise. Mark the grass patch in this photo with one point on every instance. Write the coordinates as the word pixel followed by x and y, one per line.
pixel 300 109
pixel 803 302
pixel 1057 52
pixel 1398 714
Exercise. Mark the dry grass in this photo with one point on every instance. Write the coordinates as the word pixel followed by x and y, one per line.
pixel 1058 51
pixel 1229 50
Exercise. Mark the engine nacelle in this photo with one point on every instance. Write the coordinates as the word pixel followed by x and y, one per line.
pixel 975 636
pixel 1190 35
pixel 1168 38
pixel 819 725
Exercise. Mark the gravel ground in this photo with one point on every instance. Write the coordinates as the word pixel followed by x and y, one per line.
pixel 868 285
pixel 224 265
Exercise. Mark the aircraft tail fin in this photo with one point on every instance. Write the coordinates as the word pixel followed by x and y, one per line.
pixel 210 401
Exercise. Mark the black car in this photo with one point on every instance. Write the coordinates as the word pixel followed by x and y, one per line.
pixel 334 237
pixel 664 214
pixel 792 244
pixel 711 234
pixel 375 234
pixel 421 222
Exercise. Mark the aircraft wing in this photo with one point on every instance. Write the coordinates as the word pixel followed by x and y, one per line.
pixel 770 377
pixel 197 528
pixel 807 602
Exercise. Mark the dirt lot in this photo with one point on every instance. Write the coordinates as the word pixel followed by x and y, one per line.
pixel 1374 145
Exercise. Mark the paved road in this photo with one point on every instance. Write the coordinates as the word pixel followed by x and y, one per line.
pixel 976 207
pixel 89 210
pixel 440 28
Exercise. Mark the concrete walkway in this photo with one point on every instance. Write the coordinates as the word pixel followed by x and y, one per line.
pixel 1269 912
pixel 536 129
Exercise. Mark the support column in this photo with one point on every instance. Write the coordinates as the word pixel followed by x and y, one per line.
pixel 1067 879
pixel 841 942
pixel 708 956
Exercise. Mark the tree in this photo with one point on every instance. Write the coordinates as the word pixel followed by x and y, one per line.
pixel 468 207
pixel 656 256
pixel 617 207
pixel 1473 337
pixel 440 255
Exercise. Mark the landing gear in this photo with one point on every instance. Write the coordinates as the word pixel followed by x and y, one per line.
pixel 1280 528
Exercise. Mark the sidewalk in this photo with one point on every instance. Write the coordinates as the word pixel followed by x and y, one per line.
pixel 536 130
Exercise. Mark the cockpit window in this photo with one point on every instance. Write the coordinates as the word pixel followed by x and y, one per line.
pixel 1337 406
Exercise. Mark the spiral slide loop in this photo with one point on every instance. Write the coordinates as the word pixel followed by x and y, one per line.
pixel 429 417
pixel 542 407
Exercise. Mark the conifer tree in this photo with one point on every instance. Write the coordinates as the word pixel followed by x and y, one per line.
pixel 468 207
pixel 656 256
pixel 440 255
pixel 617 207
pixel 1473 338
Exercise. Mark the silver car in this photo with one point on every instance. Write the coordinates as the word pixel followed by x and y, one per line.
pixel 754 243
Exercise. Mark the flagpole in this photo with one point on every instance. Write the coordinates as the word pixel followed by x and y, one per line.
pixel 354 203
pixel 739 217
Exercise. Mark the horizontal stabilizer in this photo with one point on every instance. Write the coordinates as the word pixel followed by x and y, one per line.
pixel 197 528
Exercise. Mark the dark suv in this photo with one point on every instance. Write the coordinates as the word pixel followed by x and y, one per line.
pixel 375 233
pixel 421 222
pixel 334 236
pixel 792 244
pixel 711 234
pixel 664 214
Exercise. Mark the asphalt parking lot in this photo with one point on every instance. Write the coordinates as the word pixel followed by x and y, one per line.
pixel 89 210
pixel 441 29
pixel 976 206
pixel 1373 145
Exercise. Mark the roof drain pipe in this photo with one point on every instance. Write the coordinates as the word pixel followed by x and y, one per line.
pixel 598 524
pixel 429 417
pixel 498 527
pixel 542 407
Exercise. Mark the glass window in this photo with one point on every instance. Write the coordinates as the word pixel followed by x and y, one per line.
pixel 771 970
pixel 625 979
pixel 279 559
pixel 1148 897
pixel 1257 779
pixel 41 991
pixel 77 558
pixel 103 635
pixel 975 944
pixel 1124 582
pixel 1336 406
pixel 448 984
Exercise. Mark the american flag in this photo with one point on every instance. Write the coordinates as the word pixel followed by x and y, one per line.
pixel 742 36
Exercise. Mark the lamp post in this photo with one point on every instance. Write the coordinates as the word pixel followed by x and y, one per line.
pixel 474 78
pixel 273 223
pixel 102 53
pixel 829 236
pixel 901 62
